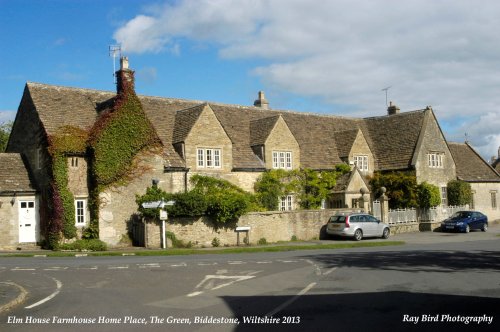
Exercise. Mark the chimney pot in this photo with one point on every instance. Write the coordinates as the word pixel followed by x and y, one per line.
pixel 123 62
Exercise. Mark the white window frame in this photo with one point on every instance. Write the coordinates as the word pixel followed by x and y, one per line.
pixel 361 162
pixel 209 158
pixel 80 211
pixel 444 196
pixel 286 203
pixel 282 160
pixel 435 160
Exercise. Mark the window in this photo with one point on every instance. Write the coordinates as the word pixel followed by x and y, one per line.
pixel 80 207
pixel 74 162
pixel 208 158
pixel 473 200
pixel 444 196
pixel 435 160
pixel 493 199
pixel 282 160
pixel 39 158
pixel 361 162
pixel 286 203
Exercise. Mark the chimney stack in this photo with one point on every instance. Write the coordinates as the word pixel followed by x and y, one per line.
pixel 124 76
pixel 261 101
pixel 392 109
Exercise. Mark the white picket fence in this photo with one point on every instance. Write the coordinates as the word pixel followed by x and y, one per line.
pixel 439 213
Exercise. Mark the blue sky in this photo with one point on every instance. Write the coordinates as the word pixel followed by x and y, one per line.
pixel 328 56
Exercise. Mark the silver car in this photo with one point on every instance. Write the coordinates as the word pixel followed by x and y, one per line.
pixel 357 226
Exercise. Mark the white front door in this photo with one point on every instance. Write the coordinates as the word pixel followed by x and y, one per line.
pixel 28 226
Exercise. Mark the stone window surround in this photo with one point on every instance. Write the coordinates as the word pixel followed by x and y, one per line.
pixel 494 203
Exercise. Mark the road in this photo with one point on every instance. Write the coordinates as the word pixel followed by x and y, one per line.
pixel 413 287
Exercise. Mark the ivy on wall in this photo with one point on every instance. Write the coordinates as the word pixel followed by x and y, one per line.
pixel 68 140
pixel 119 135
pixel 112 144
pixel 310 187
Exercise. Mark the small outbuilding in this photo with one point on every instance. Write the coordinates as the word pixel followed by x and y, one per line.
pixel 19 214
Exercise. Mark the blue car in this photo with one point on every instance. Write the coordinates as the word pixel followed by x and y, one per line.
pixel 465 221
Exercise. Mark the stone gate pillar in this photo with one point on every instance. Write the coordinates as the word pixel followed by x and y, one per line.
pixel 384 206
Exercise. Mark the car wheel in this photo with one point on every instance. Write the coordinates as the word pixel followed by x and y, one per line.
pixel 485 227
pixel 358 235
pixel 467 229
pixel 386 233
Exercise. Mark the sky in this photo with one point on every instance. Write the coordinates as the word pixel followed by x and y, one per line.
pixel 322 56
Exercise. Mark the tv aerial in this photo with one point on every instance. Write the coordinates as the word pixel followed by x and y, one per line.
pixel 386 89
pixel 115 51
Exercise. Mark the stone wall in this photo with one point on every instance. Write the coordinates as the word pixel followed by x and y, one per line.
pixel 434 142
pixel 9 216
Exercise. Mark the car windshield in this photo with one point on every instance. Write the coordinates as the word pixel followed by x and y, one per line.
pixel 461 214
pixel 337 219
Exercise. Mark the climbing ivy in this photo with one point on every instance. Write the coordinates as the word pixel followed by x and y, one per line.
pixel 119 135
pixel 66 141
pixel 112 144
pixel 310 187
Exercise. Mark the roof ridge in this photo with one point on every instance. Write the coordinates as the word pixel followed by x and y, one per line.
pixel 29 83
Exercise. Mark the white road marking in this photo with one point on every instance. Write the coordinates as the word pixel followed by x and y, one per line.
pixel 264 262
pixel 236 262
pixel 87 268
pixel 148 265
pixel 207 264
pixel 317 269
pixel 56 268
pixel 290 301
pixel 208 283
pixel 48 298
pixel 178 265
pixel 22 269
pixel 117 267
pixel 287 261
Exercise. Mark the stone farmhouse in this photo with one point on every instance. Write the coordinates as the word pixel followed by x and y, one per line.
pixel 233 142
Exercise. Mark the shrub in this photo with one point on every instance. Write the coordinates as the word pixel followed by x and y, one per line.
pixel 262 241
pixel 294 238
pixel 215 242
pixel 401 188
pixel 459 193
pixel 84 244
pixel 428 195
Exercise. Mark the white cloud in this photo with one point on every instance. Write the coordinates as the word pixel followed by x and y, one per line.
pixel 440 53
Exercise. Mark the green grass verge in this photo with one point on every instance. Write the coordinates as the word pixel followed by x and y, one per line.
pixel 231 250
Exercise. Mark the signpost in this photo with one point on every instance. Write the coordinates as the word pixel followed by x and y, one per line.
pixel 163 216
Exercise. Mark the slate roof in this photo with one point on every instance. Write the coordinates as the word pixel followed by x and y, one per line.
pixel 470 166
pixel 323 139
pixel 14 177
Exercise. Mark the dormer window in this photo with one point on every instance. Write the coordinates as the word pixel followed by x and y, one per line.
pixel 282 160
pixel 361 162
pixel 208 158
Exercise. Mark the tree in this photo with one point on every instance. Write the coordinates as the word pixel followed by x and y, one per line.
pixel 5 129
pixel 401 188
pixel 459 192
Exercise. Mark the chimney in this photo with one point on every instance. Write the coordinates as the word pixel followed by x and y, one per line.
pixel 261 101
pixel 392 109
pixel 124 76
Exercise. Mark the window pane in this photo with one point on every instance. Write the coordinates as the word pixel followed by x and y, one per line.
pixel 201 162
pixel 216 158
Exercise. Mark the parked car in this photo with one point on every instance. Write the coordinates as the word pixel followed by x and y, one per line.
pixel 357 226
pixel 465 221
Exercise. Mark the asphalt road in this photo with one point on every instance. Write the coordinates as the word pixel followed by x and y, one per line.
pixel 425 285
